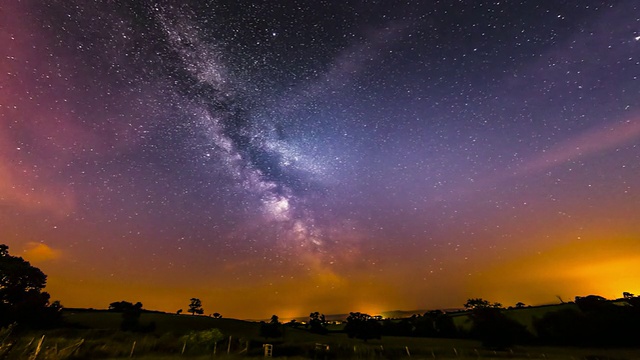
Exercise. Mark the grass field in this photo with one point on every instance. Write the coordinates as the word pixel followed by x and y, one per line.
pixel 165 323
pixel 95 335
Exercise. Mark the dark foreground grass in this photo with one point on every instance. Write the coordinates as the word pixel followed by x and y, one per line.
pixel 164 323
pixel 96 335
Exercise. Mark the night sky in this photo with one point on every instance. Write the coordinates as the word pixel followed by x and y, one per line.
pixel 283 157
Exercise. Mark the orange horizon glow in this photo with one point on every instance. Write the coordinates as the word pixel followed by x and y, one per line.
pixel 598 268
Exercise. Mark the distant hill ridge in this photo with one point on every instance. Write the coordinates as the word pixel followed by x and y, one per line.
pixel 384 314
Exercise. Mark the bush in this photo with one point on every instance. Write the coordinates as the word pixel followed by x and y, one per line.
pixel 496 330
pixel 204 340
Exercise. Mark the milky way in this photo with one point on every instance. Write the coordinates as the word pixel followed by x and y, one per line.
pixel 263 164
pixel 329 156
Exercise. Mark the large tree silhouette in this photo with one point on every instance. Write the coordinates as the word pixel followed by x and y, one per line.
pixel 317 323
pixel 195 307
pixel 22 298
pixel 362 326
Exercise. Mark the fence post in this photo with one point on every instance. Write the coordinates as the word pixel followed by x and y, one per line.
pixel 133 347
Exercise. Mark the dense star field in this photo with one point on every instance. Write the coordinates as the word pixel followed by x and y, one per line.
pixel 283 157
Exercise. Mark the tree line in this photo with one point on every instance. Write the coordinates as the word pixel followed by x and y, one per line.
pixel 592 320
pixel 588 321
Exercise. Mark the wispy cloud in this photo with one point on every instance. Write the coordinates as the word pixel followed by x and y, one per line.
pixel 587 143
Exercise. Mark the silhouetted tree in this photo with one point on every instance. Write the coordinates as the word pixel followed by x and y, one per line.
pixel 520 305
pixel 445 326
pixel 634 301
pixel 362 326
pixel 435 323
pixel 479 303
pixel 217 315
pixel 562 327
pixel 131 317
pixel 627 295
pixel 597 322
pixel 402 327
pixel 56 305
pixel 272 329
pixel 293 323
pixel 195 307
pixel 423 325
pixel 317 323
pixel 22 298
pixel 120 306
pixel 591 302
pixel 495 329
pixel 179 312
